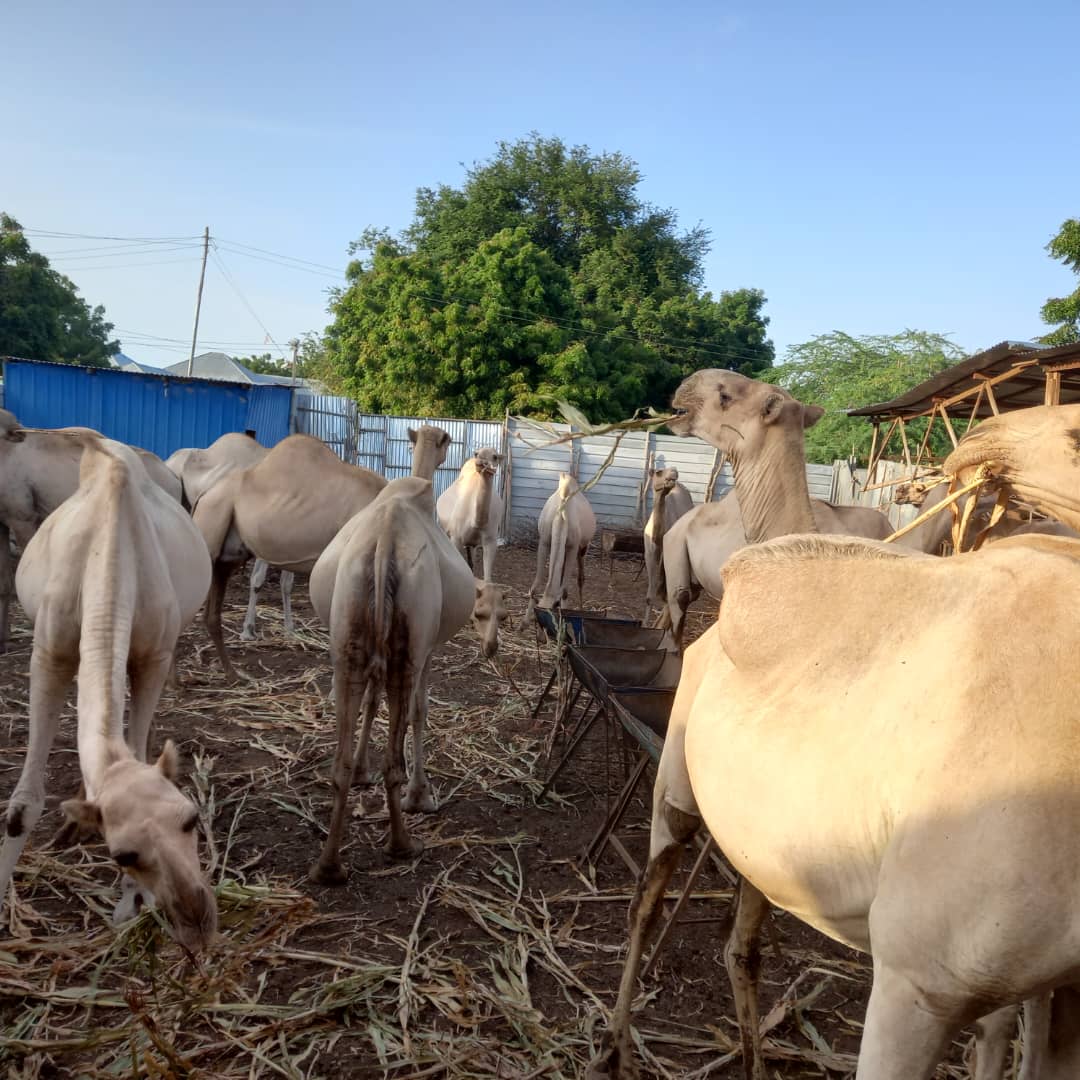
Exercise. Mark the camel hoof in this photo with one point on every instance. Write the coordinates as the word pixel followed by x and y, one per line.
pixel 372 800
pixel 332 873
pixel 247 634
pixel 613 1062
pixel 407 850
pixel 420 802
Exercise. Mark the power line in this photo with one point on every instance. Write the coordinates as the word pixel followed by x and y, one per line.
pixel 219 262
pixel 123 266
pixel 127 239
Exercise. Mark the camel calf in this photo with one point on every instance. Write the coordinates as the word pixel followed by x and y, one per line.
pixel 109 581
pixel 567 525
pixel 670 501
pixel 470 509
pixel 392 588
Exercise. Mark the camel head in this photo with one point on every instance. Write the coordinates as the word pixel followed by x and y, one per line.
pixel 663 480
pixel 10 428
pixel 910 493
pixel 486 461
pixel 738 415
pixel 1036 452
pixel 150 829
pixel 489 610
pixel 568 486
pixel 430 445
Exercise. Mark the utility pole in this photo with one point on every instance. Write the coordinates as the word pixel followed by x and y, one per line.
pixel 198 298
pixel 295 345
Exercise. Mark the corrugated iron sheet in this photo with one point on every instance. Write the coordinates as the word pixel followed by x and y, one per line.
pixel 156 412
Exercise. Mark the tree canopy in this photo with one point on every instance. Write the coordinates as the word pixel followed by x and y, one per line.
pixel 839 372
pixel 1063 312
pixel 42 316
pixel 544 276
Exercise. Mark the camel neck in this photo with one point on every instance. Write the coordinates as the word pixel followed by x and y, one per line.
pixel 480 496
pixel 424 465
pixel 657 515
pixel 773 495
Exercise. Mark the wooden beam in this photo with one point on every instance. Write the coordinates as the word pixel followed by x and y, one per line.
pixel 903 440
pixel 949 427
pixel 992 399
pixel 1053 388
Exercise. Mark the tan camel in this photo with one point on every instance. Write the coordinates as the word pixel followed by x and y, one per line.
pixel 287 508
pixel 470 509
pixel 671 501
pixel 198 471
pixel 701 542
pixel 109 581
pixel 933 836
pixel 567 525
pixel 38 471
pixel 392 588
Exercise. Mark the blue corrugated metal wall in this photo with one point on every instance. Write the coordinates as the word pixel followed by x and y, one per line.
pixel 159 413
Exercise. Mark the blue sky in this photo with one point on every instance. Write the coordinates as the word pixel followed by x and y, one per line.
pixel 871 167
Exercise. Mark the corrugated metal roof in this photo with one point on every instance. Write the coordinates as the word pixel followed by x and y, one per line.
pixel 159 412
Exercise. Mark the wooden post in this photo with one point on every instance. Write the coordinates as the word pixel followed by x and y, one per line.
pixel 198 298
pixel 871 464
pixel 992 399
pixel 948 426
pixel 1053 388
pixel 925 444
pixel 903 440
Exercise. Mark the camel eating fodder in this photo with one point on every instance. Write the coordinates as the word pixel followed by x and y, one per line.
pixel 391 588
pixel 671 501
pixel 109 581
pixel 199 471
pixel 702 541
pixel 39 469
pixel 567 525
pixel 470 509
pixel 836 794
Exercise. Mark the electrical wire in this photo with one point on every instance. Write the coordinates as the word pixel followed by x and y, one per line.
pixel 219 262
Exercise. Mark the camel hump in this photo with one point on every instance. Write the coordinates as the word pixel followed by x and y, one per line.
pixel 105 457
pixel 809 547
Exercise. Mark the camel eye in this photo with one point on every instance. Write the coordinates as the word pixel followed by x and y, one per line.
pixel 127 858
pixel 725 398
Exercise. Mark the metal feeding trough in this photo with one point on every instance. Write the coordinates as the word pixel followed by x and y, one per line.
pixel 647 707
pixel 622 634
pixel 574 621
pixel 601 669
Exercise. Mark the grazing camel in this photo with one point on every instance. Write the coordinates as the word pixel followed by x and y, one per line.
pixel 567 525
pixel 38 471
pixel 701 542
pixel 109 581
pixel 671 501
pixel 470 509
pixel 392 587
pixel 198 471
pixel 842 802
pixel 287 508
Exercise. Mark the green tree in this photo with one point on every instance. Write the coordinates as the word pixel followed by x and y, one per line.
pixel 1063 312
pixel 311 360
pixel 42 316
pixel 840 372
pixel 544 276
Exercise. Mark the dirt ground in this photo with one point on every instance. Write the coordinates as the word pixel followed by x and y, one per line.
pixel 496 952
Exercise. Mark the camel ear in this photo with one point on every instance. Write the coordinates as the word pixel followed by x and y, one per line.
pixel 444 439
pixel 772 407
pixel 82 812
pixel 169 762
pixel 497 458
pixel 811 414
pixel 15 435
pixel 412 435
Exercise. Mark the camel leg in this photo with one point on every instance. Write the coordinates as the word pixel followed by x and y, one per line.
pixel 218 583
pixel 543 553
pixel 330 870
pixel 49 679
pixel 581 576
pixel 993 1042
pixel 490 548
pixel 403 687
pixel 418 796
pixel 742 958
pixel 1061 1052
pixel 258 580
pixel 902 1039
pixel 288 579
pixel 7 585
pixel 651 551
pixel 148 676
pixel 1037 1013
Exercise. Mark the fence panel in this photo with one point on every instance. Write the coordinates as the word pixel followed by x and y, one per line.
pixel 331 419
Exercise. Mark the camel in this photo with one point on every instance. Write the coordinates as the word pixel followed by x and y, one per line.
pixel 287 508
pixel 198 471
pixel 109 581
pixel 38 470
pixel 671 501
pixel 937 835
pixel 392 588
pixel 470 509
pixel 567 525
pixel 700 543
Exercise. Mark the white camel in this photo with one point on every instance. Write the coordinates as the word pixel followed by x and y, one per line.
pixel 392 588
pixel 287 508
pixel 109 581
pixel 567 525
pixel 701 542
pixel 198 471
pixel 470 509
pixel 933 831
pixel 39 469
pixel 671 500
